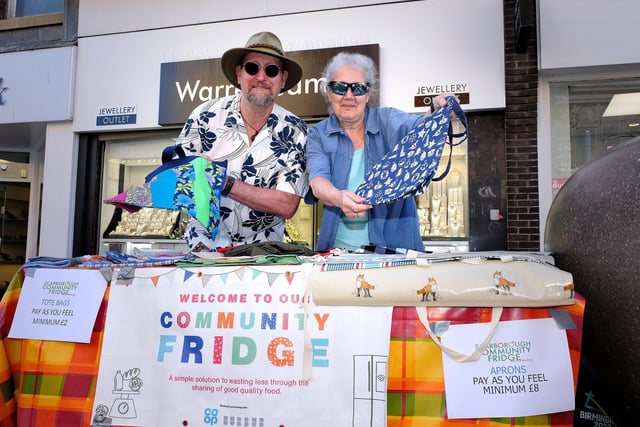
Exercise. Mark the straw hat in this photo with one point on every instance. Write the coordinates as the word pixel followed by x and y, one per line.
pixel 266 43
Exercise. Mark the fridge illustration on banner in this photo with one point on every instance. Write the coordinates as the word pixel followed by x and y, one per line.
pixel 369 390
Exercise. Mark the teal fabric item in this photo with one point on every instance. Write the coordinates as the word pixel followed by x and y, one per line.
pixel 189 184
pixel 409 168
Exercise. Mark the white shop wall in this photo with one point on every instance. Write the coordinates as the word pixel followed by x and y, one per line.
pixel 119 16
pixel 43 93
pixel 426 44
pixel 580 33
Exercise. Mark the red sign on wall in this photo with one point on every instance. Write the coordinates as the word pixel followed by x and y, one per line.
pixel 556 185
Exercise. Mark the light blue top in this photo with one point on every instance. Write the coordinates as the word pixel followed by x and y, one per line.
pixel 330 154
pixel 354 232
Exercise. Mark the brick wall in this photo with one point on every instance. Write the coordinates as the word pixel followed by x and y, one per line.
pixel 521 86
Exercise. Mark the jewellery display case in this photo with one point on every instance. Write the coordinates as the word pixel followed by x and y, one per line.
pixel 443 210
pixel 128 160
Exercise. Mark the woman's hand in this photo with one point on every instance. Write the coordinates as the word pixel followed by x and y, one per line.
pixel 440 101
pixel 351 204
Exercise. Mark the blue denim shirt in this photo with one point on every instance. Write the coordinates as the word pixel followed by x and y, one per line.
pixel 329 155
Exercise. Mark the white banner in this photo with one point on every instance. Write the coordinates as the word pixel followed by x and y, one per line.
pixel 226 346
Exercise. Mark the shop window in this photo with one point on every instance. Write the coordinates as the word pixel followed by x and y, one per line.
pixel 587 119
pixel 14 213
pixel 127 162
pixel 22 8
pixel 129 158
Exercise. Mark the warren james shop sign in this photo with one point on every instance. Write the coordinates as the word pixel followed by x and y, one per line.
pixel 185 85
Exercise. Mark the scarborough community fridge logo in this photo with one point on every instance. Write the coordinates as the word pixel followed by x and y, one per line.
pixel 509 371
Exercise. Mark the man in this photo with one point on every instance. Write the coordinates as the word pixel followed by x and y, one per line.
pixel 262 143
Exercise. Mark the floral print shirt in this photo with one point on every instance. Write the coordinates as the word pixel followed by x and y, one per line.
pixel 275 159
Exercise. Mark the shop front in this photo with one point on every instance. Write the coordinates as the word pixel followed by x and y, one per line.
pixel 128 114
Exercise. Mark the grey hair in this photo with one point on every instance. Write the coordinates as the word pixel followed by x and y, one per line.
pixel 355 61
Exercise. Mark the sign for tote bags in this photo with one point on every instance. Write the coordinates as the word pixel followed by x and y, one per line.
pixel 525 370
pixel 58 305
pixel 238 345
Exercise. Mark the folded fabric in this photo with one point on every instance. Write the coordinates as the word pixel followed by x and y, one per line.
pixel 189 184
pixel 408 169
pixel 269 248
pixel 49 262
pixel 241 260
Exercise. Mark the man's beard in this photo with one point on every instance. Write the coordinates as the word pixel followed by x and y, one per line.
pixel 261 100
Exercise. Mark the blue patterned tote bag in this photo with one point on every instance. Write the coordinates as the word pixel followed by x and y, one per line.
pixel 409 168
pixel 190 184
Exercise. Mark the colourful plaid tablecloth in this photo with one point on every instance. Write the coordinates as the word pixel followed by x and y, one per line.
pixel 415 392
pixel 52 384
pixel 46 383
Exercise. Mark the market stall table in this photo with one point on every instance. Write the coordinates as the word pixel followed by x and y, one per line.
pixel 54 383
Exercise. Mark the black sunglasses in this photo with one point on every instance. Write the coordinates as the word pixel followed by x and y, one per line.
pixel 357 89
pixel 252 69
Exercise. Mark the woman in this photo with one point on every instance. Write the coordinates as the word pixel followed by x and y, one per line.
pixel 343 147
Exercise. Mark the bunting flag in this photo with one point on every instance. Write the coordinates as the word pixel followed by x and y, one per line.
pixel 126 277
pixel 205 279
pixel 272 277
pixel 187 275
pixel 224 277
pixel 289 276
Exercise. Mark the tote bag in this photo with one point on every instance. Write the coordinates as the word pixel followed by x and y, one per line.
pixel 190 184
pixel 416 394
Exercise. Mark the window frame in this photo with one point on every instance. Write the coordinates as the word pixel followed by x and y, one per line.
pixel 545 138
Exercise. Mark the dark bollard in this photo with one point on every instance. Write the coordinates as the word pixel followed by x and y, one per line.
pixel 593 231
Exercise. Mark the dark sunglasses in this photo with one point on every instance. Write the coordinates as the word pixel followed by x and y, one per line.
pixel 252 69
pixel 357 89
